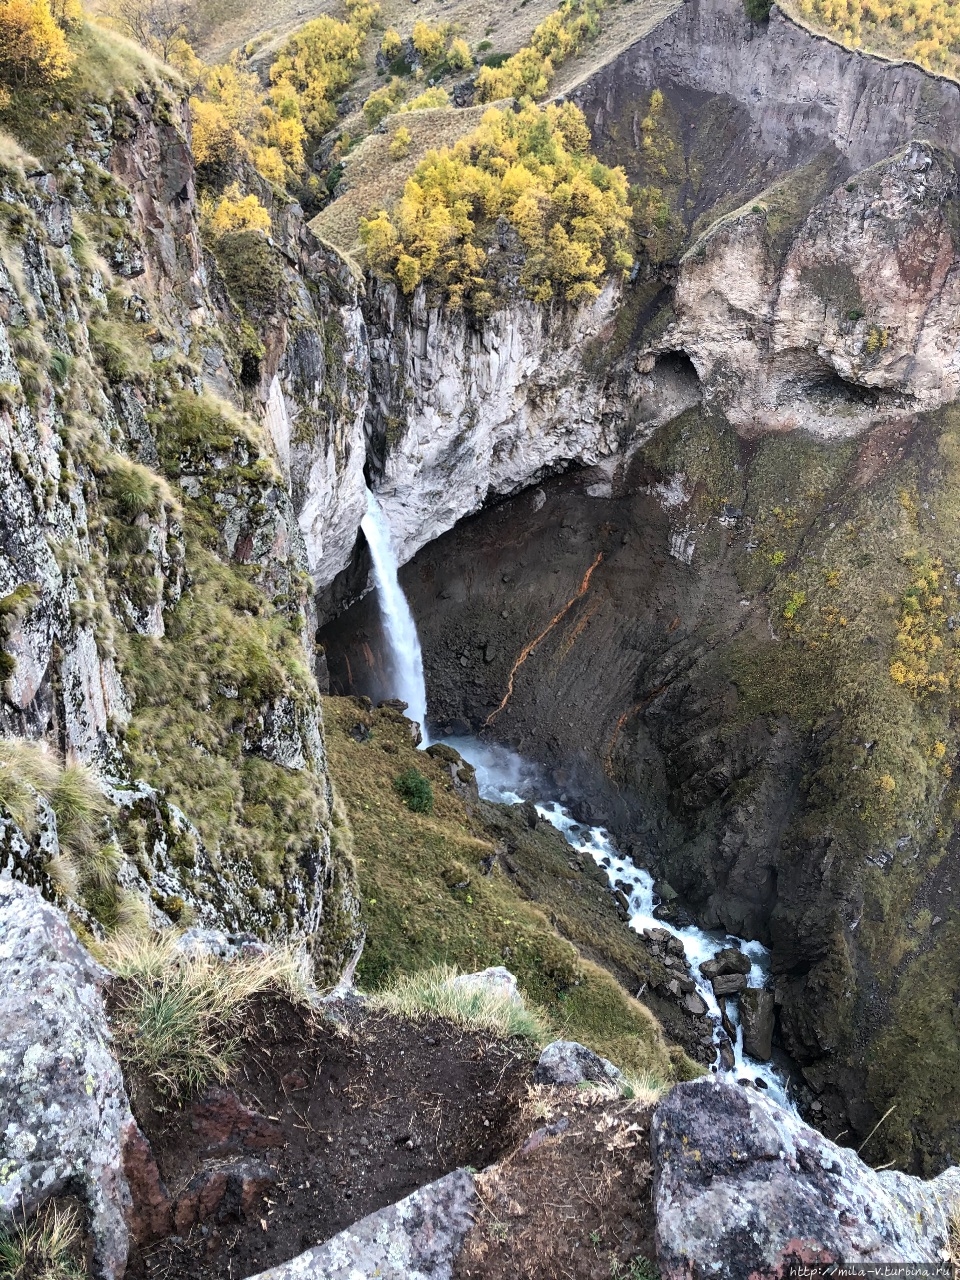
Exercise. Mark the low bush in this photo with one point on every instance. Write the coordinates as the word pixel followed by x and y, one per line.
pixel 415 790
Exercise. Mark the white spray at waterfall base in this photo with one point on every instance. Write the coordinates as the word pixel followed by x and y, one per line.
pixel 403 643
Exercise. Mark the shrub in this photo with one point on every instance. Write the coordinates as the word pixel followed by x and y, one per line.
pixel 459 57
pixel 530 168
pixel 400 143
pixel 177 1020
pixel 415 790
pixel 383 101
pixel 428 41
pixel 757 10
pixel 391 44
pixel 236 212
pixel 433 993
pixel 436 96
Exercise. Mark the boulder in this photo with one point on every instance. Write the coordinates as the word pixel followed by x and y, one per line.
pixel 495 981
pixel 756 1018
pixel 418 1238
pixel 729 960
pixel 64 1112
pixel 728 984
pixel 742 1187
pixel 566 1062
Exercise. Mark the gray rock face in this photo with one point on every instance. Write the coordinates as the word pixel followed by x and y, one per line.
pixel 743 1188
pixel 566 1062
pixel 756 1018
pixel 418 1238
pixel 63 1107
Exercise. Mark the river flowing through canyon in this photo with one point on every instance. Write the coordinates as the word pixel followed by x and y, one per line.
pixel 505 777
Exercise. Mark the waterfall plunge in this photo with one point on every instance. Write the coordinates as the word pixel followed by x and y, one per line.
pixel 398 624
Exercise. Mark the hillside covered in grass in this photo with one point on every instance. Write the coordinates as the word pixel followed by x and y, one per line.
pixel 471 885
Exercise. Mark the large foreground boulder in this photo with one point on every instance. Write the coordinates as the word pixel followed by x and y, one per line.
pixel 744 1188
pixel 418 1238
pixel 63 1107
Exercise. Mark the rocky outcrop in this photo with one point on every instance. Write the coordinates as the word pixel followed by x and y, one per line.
pixel 744 1188
pixel 461 410
pixel 418 1238
pixel 64 1113
pixel 855 322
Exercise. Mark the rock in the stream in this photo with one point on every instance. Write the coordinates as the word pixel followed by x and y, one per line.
pixel 63 1107
pixel 744 1188
pixel 728 961
pixel 418 1238
pixel 756 1018
pixel 566 1062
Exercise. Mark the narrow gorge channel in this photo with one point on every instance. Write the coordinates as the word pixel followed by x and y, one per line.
pixel 717 972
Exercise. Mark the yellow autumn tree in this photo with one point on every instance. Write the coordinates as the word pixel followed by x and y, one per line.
pixel 33 48
pixel 319 61
pixel 235 211
pixel 531 169
pixel 528 73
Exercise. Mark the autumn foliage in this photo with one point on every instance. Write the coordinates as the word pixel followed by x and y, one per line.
pixel 529 171
pixel 531 69
pixel 33 45
pixel 925 31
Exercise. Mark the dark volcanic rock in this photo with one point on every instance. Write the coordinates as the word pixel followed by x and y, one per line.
pixel 729 960
pixel 744 1188
pixel 729 984
pixel 756 1017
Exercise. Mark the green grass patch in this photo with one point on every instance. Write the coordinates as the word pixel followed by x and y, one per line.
pixel 430 897
pixel 179 1016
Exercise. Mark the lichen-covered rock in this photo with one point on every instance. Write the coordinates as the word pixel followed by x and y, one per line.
pixel 744 1188
pixel 495 981
pixel 63 1106
pixel 567 1062
pixel 418 1238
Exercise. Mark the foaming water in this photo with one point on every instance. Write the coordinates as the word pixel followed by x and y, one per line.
pixel 398 624
pixel 505 777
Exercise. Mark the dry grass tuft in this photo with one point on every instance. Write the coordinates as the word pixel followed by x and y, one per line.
pixel 177 1017
pixel 433 993
pixel 48 1248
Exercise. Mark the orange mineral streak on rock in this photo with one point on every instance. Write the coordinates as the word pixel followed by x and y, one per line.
pixel 534 644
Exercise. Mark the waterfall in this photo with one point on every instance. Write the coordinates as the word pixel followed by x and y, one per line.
pixel 403 642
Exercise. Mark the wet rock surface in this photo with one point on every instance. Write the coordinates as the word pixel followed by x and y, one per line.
pixel 744 1188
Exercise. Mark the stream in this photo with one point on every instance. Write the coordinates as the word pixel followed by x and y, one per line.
pixel 506 778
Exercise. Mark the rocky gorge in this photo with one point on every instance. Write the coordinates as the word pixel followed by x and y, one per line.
pixel 689 545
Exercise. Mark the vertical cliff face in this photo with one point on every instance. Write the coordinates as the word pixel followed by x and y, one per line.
pixel 156 603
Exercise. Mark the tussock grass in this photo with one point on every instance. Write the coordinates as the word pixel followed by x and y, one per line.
pixel 13 158
pixel 48 1248
pixel 178 1017
pixel 433 993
